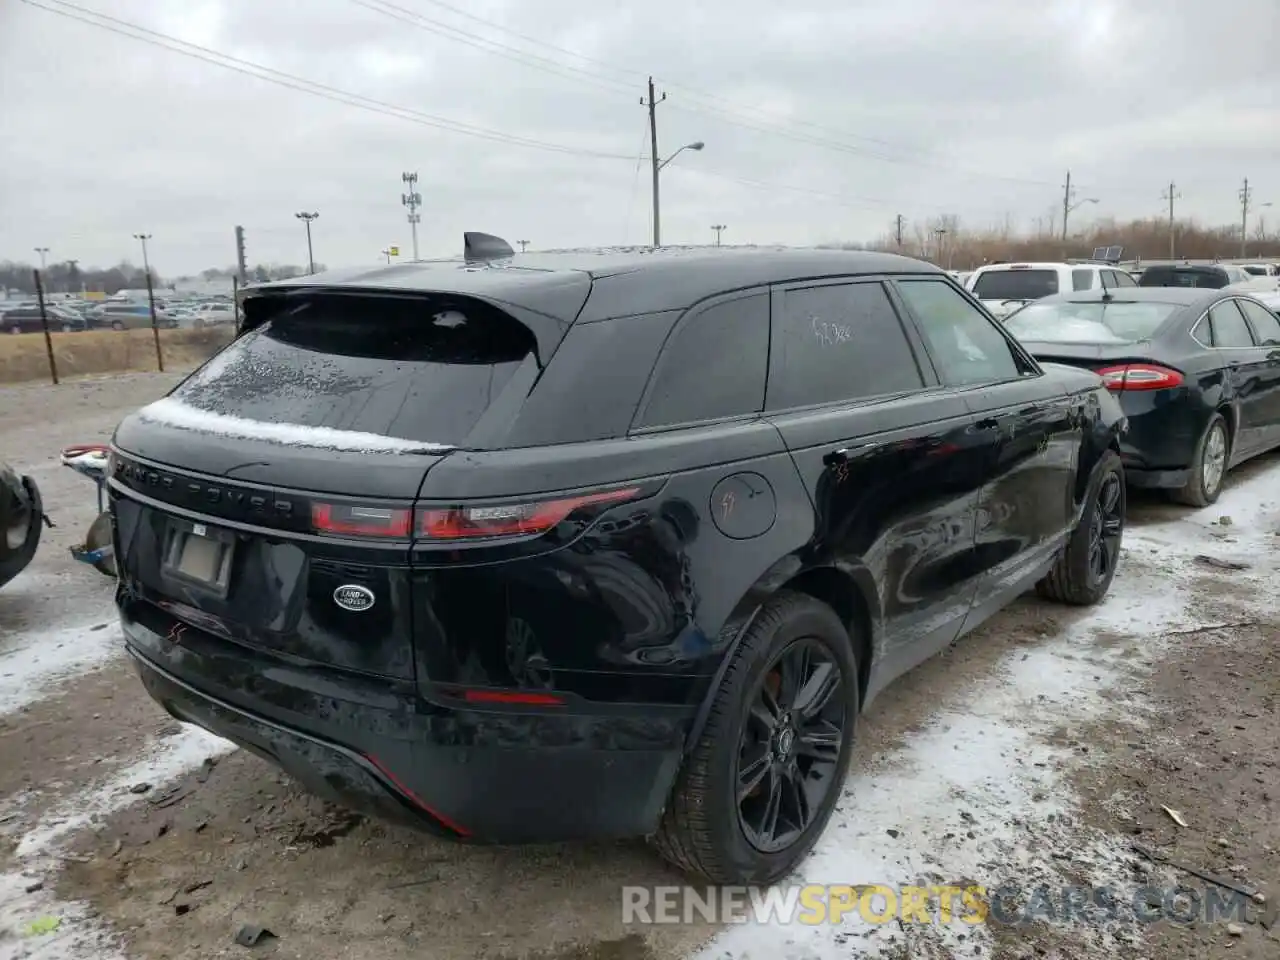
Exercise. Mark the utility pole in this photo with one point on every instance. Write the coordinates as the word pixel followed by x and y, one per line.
pixel 719 228
pixel 242 268
pixel 1244 218
pixel 652 104
pixel 1171 195
pixel 412 200
pixel 897 229
pixel 524 245
pixel 938 232
pixel 1067 193
pixel 44 252
pixel 307 218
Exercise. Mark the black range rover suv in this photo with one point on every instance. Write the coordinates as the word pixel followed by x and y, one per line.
pixel 544 548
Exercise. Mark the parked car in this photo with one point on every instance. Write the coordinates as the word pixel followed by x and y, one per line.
pixel 1259 269
pixel 21 521
pixel 131 316
pixel 1197 372
pixel 214 314
pixel 1212 276
pixel 1004 287
pixel 27 319
pixel 598 546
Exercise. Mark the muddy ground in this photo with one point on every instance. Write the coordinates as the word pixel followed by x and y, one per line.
pixel 1190 725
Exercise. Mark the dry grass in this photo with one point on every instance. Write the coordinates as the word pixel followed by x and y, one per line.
pixel 23 356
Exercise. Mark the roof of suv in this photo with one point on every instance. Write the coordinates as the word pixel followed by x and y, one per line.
pixel 640 280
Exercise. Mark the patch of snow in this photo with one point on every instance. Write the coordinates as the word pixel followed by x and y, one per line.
pixel 163 759
pixel 980 795
pixel 172 412
pixel 79 936
pixel 39 659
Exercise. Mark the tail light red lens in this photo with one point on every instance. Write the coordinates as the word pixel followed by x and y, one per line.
pixel 1140 376
pixel 351 520
pixel 513 519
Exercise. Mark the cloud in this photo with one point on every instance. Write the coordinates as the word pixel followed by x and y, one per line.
pixel 821 121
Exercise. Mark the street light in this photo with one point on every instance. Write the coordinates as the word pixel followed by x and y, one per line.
pixel 719 228
pixel 657 207
pixel 44 252
pixel 146 264
pixel 307 218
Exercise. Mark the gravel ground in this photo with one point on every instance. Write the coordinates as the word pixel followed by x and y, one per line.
pixel 1040 749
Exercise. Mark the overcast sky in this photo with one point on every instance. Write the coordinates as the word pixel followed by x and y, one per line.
pixel 822 120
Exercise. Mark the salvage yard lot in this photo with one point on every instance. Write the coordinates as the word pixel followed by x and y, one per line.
pixel 1037 751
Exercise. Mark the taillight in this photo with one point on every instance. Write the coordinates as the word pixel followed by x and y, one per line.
pixel 352 520
pixel 511 519
pixel 1140 376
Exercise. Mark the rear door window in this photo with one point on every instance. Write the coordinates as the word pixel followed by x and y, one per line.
pixel 838 342
pixel 1228 327
pixel 1265 323
pixel 1081 279
pixel 1015 284
pixel 966 345
pixel 415 368
pixel 713 365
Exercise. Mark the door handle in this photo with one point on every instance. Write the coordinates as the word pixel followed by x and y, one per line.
pixel 835 457
pixel 990 423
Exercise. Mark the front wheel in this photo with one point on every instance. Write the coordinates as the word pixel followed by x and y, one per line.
pixel 1083 574
pixel 758 788
pixel 1208 468
pixel 117 325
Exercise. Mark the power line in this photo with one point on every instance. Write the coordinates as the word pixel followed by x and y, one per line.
pixel 728 113
pixel 301 84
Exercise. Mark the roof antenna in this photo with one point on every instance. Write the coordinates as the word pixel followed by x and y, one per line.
pixel 483 247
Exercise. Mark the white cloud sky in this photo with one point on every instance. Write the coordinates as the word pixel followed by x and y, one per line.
pixel 822 120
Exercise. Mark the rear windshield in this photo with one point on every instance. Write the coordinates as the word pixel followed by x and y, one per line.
pixel 1183 277
pixel 415 369
pixel 1015 284
pixel 1092 322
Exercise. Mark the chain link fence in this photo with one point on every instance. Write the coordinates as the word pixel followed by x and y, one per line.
pixel 44 340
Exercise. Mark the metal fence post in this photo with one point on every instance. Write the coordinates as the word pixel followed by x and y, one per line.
pixel 44 323
pixel 155 327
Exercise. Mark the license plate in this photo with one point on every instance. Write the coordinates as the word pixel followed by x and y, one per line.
pixel 199 556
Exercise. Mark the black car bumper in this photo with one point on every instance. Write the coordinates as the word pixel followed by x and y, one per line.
pixel 20 499
pixel 471 775
pixel 1160 444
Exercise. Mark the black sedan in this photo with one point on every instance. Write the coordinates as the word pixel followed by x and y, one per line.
pixel 27 319
pixel 1197 372
pixel 21 515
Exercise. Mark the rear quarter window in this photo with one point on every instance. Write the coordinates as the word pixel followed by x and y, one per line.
pixel 713 365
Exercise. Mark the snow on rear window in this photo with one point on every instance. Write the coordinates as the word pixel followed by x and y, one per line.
pixel 172 412
pixel 358 373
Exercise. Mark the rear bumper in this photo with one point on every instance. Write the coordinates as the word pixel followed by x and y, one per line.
pixel 1160 444
pixel 498 777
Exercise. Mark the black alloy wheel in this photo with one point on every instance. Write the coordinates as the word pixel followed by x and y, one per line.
pixel 790 746
pixel 1106 527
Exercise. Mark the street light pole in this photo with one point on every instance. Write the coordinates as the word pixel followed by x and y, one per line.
pixel 44 253
pixel 307 218
pixel 146 264
pixel 412 200
pixel 719 228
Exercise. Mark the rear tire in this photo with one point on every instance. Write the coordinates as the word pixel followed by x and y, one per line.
pixel 15 330
pixel 117 325
pixel 795 764
pixel 1083 574
pixel 1208 467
